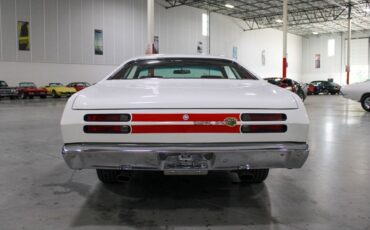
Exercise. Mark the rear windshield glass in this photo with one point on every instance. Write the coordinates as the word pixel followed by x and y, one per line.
pixel 27 84
pixel 183 69
pixel 3 83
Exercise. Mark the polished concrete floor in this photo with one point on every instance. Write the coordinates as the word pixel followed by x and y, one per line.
pixel 38 191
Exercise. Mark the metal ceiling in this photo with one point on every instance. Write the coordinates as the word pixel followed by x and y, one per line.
pixel 305 16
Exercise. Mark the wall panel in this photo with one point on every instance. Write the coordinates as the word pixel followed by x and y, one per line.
pixel 9 25
pixel 51 31
pixel 37 30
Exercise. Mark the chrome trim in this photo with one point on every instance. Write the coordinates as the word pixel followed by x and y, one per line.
pixel 219 156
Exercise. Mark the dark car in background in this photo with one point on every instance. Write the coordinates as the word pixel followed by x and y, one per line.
pixel 30 90
pixel 289 84
pixel 325 87
pixel 79 85
pixel 6 91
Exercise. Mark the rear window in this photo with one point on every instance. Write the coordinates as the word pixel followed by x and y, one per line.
pixel 183 69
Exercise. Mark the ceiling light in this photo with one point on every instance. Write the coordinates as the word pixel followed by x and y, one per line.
pixel 367 9
pixel 229 6
pixel 279 21
pixel 315 33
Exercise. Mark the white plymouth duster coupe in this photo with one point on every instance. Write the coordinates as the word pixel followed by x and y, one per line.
pixel 184 115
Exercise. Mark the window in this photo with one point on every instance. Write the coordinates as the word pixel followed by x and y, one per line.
pixel 183 69
pixel 205 24
pixel 331 47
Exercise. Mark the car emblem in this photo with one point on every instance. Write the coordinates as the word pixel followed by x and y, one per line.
pixel 185 117
pixel 230 121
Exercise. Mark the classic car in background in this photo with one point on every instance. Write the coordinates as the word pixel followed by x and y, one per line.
pixel 358 92
pixel 57 90
pixel 6 91
pixel 325 87
pixel 79 85
pixel 30 90
pixel 290 85
pixel 184 115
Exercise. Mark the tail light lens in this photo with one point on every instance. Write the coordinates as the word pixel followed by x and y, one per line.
pixel 264 128
pixel 107 117
pixel 107 129
pixel 263 117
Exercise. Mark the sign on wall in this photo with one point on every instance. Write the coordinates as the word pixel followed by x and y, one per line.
pixel 235 52
pixel 156 45
pixel 98 43
pixel 23 28
pixel 263 57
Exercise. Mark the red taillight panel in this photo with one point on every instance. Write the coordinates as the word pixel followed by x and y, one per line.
pixel 263 117
pixel 264 128
pixel 107 117
pixel 107 129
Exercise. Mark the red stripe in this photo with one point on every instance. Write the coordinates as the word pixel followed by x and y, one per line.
pixel 180 117
pixel 184 129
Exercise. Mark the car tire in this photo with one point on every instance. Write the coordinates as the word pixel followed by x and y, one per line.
pixel 22 95
pixel 365 102
pixel 325 91
pixel 54 94
pixel 300 93
pixel 109 176
pixel 43 96
pixel 31 97
pixel 253 176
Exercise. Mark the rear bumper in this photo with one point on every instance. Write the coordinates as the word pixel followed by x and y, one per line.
pixel 214 156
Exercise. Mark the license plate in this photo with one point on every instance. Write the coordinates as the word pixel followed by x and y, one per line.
pixel 185 164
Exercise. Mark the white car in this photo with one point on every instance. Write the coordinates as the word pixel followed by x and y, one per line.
pixel 358 92
pixel 184 115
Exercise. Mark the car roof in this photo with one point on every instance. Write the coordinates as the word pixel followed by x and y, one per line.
pixel 165 56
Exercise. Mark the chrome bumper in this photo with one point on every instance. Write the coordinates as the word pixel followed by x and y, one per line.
pixel 180 158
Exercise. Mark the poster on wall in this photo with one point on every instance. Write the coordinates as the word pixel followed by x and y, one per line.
pixel 317 61
pixel 263 57
pixel 23 35
pixel 156 45
pixel 235 52
pixel 200 48
pixel 98 43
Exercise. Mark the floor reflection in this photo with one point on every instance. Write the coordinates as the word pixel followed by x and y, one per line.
pixel 154 200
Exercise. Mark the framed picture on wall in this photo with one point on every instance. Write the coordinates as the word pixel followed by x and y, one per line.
pixel 235 52
pixel 317 61
pixel 156 45
pixel 23 29
pixel 98 42
pixel 263 57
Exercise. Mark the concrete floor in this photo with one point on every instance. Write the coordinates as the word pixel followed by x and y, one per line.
pixel 38 191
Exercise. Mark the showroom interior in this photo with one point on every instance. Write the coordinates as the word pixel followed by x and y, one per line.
pixel 61 45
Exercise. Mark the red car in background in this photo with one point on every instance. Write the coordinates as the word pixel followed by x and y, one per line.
pixel 79 85
pixel 30 90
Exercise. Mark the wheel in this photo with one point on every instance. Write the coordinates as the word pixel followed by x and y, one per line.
pixel 43 96
pixel 325 91
pixel 253 175
pixel 108 176
pixel 301 95
pixel 31 97
pixel 333 93
pixel 14 97
pixel 365 102
pixel 22 95
pixel 54 94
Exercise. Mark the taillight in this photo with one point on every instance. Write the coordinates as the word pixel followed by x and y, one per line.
pixel 107 129
pixel 107 117
pixel 264 128
pixel 263 117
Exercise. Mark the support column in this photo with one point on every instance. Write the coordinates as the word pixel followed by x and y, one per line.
pixel 285 37
pixel 150 28
pixel 348 67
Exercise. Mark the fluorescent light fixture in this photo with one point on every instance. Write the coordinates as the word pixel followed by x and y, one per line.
pixel 315 33
pixel 279 21
pixel 367 9
pixel 229 6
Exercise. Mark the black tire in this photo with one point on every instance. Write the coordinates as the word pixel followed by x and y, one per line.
pixel 300 93
pixel 365 102
pixel 54 94
pixel 108 176
pixel 43 96
pixel 325 91
pixel 22 95
pixel 253 176
pixel 31 97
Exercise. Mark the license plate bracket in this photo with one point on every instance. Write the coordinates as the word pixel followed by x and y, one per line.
pixel 185 164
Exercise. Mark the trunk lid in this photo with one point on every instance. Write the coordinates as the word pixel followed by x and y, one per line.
pixel 184 94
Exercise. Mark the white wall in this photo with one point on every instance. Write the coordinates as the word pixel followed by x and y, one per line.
pixel 62 39
pixel 334 67
pixel 252 43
